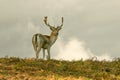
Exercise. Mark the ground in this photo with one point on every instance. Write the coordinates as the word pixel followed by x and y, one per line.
pixel 14 68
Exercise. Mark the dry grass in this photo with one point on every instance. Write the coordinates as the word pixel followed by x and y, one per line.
pixel 49 77
pixel 30 69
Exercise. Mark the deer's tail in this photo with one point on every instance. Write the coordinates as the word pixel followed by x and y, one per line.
pixel 35 41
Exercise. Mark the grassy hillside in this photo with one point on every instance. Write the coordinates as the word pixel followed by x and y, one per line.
pixel 30 69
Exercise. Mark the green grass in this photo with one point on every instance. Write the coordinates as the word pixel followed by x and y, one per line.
pixel 90 69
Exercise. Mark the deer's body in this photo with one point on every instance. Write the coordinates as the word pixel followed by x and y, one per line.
pixel 44 41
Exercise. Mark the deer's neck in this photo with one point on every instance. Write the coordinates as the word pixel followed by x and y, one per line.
pixel 53 38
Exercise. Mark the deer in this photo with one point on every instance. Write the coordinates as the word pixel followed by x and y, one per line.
pixel 45 42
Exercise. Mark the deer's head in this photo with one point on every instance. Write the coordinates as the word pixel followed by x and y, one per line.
pixel 55 30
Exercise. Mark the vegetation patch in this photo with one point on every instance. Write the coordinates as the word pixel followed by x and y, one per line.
pixel 18 68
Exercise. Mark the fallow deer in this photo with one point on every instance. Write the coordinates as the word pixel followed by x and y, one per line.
pixel 44 42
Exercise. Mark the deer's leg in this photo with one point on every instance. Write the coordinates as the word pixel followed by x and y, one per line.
pixel 48 50
pixel 35 48
pixel 40 44
pixel 37 53
pixel 43 53
pixel 35 44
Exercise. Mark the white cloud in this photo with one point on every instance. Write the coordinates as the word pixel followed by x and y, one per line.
pixel 75 49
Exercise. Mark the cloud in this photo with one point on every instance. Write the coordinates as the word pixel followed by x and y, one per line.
pixel 75 49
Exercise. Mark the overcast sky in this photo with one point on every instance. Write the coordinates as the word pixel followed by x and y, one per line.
pixel 94 22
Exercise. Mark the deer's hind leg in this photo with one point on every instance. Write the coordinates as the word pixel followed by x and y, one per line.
pixel 43 53
pixel 34 46
pixel 48 50
pixel 37 52
pixel 40 45
pixel 35 49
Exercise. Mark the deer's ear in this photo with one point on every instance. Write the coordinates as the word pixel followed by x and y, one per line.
pixel 59 28
pixel 52 28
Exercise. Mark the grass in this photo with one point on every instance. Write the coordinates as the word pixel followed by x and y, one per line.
pixel 14 68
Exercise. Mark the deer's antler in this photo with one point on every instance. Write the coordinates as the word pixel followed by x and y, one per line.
pixel 45 20
pixel 62 23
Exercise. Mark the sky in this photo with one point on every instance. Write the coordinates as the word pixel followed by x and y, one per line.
pixel 91 27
